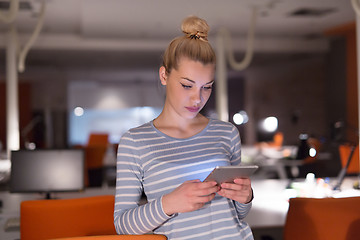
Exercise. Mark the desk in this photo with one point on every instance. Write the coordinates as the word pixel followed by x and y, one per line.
pixel 277 160
pixel 270 203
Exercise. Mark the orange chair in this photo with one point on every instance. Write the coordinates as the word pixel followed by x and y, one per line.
pixel 95 151
pixel 344 151
pixel 323 219
pixel 60 218
pixel 98 139
pixel 120 237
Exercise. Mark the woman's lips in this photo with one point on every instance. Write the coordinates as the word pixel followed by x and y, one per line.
pixel 193 109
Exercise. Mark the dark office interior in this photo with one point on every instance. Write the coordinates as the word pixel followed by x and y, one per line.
pixel 305 76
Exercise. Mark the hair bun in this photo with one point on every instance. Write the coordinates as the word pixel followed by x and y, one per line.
pixel 195 28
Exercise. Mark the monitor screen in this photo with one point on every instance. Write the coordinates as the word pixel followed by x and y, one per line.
pixel 47 171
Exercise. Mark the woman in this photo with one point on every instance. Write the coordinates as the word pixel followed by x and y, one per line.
pixel 168 158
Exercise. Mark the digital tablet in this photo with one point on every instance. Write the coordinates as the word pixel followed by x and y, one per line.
pixel 222 174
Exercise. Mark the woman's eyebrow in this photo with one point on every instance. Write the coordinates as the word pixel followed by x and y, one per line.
pixel 192 81
pixel 188 79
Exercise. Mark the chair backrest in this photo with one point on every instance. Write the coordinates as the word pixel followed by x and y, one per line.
pixel 59 218
pixel 95 151
pixel 98 139
pixel 120 237
pixel 344 151
pixel 323 219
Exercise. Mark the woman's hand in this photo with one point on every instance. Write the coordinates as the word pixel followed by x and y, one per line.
pixel 239 191
pixel 189 196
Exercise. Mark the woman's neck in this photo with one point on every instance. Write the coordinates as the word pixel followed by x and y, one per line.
pixel 180 128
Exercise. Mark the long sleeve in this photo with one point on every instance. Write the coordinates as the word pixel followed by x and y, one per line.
pixel 129 217
pixel 241 209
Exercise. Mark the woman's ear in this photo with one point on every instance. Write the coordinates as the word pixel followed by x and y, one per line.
pixel 163 75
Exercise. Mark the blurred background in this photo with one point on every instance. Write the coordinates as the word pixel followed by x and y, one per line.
pixel 93 69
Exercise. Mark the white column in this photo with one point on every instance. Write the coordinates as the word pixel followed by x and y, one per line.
pixel 12 104
pixel 222 107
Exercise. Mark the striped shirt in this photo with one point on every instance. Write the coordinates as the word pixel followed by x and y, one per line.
pixel 150 161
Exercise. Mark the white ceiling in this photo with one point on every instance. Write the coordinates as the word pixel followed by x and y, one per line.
pixel 149 20
pixel 141 29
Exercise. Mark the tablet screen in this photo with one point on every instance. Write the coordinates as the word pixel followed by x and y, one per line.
pixel 222 174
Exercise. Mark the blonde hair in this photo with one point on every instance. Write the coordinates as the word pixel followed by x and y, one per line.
pixel 193 45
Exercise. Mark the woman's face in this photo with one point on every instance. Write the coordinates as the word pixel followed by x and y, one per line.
pixel 188 88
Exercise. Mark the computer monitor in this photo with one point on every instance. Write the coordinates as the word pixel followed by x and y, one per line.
pixel 47 171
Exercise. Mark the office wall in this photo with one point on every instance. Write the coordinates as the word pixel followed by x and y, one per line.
pixel 291 89
pixel 110 107
pixel 290 85
pixel 347 32
pixel 114 95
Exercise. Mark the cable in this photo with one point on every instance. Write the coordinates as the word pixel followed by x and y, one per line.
pixel 13 11
pixel 35 34
pixel 356 6
pixel 249 48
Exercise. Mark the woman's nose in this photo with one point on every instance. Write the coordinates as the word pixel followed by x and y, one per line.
pixel 196 96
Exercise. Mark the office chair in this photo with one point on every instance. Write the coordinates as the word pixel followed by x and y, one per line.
pixel 60 218
pixel 94 155
pixel 98 139
pixel 323 219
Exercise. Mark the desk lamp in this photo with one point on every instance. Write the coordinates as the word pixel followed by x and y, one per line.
pixel 345 168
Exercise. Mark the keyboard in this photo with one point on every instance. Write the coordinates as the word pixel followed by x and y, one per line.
pixel 12 224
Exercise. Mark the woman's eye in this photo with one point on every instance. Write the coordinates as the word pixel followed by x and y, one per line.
pixel 207 87
pixel 185 86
